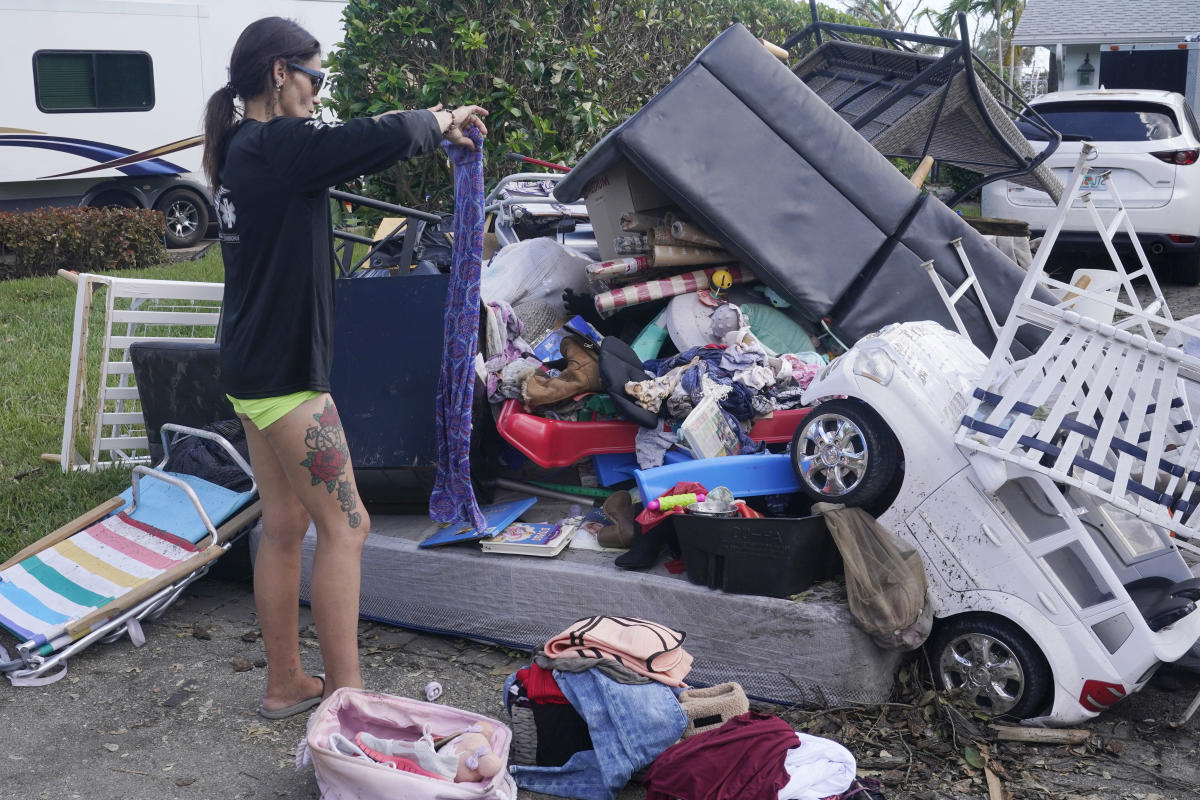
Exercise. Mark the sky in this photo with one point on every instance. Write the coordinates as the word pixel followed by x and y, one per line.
pixel 904 7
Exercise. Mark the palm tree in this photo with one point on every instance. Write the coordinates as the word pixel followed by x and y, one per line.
pixel 880 13
pixel 1005 14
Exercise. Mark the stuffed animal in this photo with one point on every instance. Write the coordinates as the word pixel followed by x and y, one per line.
pixel 476 761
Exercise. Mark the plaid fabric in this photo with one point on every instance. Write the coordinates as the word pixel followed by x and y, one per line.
pixel 609 302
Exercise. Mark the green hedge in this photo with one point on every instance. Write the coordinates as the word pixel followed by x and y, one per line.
pixel 556 75
pixel 80 238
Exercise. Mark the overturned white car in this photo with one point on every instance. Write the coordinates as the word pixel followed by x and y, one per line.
pixel 1052 493
pixel 1049 602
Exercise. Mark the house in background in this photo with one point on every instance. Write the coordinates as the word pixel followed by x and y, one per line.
pixel 1117 44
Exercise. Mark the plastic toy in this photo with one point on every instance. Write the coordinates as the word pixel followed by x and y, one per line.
pixel 1051 489
pixel 669 501
pixel 746 476
pixel 1041 575
pixel 476 760
pixel 719 281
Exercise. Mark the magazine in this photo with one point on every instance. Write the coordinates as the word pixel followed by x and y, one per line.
pixel 530 538
pixel 708 433
pixel 498 517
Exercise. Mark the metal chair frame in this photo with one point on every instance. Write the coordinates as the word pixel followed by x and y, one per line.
pixel 957 58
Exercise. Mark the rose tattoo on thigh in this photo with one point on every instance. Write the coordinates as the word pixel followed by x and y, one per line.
pixel 327 459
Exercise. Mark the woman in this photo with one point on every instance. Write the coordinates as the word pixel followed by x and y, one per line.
pixel 270 167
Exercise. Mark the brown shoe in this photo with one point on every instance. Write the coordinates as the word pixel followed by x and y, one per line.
pixel 579 376
pixel 618 508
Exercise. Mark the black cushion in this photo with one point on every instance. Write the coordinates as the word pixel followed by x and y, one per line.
pixel 178 382
pixel 754 156
pixel 618 365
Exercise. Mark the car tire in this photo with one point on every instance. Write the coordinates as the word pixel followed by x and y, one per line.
pixel 843 452
pixel 1185 269
pixel 992 664
pixel 186 217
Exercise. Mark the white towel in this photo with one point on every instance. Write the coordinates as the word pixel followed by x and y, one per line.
pixel 817 768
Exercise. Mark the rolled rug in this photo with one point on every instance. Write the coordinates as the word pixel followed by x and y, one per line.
pixel 676 256
pixel 661 237
pixel 687 232
pixel 630 265
pixel 639 221
pixel 631 244
pixel 611 301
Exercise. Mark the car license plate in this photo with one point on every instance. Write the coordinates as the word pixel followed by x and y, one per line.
pixel 1095 183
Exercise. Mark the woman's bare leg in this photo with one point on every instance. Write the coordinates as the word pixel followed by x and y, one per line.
pixel 310 445
pixel 277 576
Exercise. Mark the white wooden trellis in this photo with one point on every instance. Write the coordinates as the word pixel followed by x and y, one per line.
pixel 1102 407
pixel 135 310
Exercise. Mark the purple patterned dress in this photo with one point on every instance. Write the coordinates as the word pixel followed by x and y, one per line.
pixel 453 498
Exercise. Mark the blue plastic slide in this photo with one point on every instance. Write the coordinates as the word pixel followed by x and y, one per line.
pixel 746 476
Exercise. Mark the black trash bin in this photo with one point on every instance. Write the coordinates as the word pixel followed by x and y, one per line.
pixel 771 556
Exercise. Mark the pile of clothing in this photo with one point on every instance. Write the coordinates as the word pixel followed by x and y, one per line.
pixel 605 702
pixel 550 311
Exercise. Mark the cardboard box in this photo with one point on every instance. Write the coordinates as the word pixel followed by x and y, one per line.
pixel 620 188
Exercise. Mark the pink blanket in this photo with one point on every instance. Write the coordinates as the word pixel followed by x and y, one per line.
pixel 645 647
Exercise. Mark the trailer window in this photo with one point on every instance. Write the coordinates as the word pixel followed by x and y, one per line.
pixel 1105 121
pixel 78 80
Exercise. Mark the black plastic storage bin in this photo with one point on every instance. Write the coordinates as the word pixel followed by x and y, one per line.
pixel 772 556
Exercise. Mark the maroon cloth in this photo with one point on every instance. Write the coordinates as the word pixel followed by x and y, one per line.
pixel 540 686
pixel 744 759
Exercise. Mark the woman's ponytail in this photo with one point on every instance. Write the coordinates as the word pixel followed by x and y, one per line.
pixel 257 48
pixel 220 118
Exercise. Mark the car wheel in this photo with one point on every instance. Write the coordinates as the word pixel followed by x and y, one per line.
pixel 992 664
pixel 844 453
pixel 186 217
pixel 1185 269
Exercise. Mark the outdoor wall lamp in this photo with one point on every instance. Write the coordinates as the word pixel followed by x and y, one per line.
pixel 1086 70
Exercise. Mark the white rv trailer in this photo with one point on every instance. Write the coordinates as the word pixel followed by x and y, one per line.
pixel 104 99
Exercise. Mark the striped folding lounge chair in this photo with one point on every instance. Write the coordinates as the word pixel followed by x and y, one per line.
pixel 125 561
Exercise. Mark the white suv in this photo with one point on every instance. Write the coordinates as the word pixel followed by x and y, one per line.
pixel 1150 141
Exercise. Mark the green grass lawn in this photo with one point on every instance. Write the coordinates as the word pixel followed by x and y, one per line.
pixel 35 349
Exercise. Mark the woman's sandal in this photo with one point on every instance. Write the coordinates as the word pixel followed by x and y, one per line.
pixel 295 708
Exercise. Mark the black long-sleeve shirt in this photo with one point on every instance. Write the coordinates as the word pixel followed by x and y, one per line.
pixel 276 239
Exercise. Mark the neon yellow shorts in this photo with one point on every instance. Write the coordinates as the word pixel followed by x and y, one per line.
pixel 263 411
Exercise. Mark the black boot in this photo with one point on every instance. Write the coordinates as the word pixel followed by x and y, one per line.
pixel 646 546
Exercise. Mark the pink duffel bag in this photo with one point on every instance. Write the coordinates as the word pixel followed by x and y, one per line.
pixel 350 715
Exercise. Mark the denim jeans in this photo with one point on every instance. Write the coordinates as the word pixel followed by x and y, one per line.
pixel 630 725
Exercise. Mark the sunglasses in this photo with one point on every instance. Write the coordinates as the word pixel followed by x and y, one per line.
pixel 316 76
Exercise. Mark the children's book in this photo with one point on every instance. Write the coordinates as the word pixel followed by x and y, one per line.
pixel 581 327
pixel 550 347
pixel 589 526
pixel 498 517
pixel 530 538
